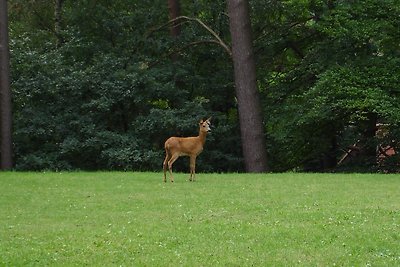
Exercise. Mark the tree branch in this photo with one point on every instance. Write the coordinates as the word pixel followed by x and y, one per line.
pixel 182 19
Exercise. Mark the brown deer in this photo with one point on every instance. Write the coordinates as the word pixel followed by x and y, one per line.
pixel 185 146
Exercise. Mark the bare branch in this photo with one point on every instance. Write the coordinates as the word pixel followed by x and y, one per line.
pixel 183 19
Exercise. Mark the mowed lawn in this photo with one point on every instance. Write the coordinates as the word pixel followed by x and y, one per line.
pixel 134 219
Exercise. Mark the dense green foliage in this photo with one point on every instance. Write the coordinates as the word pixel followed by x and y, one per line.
pixel 104 93
pixel 342 81
pixel 134 219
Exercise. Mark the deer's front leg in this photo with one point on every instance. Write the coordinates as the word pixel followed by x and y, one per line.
pixel 192 167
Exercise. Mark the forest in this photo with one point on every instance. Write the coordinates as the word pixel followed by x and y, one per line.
pixel 100 84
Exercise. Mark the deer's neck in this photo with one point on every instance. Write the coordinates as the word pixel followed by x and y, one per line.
pixel 202 137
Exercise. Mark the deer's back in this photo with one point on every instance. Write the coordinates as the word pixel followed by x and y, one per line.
pixel 185 146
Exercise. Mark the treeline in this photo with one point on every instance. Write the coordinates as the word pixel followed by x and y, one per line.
pixel 101 84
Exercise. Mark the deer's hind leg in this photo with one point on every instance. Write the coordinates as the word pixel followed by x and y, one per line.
pixel 165 164
pixel 171 161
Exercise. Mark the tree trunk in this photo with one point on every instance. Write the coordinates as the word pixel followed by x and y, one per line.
pixel 174 10
pixel 5 92
pixel 250 116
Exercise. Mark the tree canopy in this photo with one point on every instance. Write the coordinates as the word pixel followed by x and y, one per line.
pixel 95 84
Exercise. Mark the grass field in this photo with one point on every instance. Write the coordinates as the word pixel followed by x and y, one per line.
pixel 134 219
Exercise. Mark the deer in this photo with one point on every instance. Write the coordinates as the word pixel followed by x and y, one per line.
pixel 185 146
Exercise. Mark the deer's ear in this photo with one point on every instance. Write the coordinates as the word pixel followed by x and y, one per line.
pixel 209 119
pixel 201 121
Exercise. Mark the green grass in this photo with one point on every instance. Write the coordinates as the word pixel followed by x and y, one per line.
pixel 134 219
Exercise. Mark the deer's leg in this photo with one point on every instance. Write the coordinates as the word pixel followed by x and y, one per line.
pixel 165 165
pixel 170 162
pixel 192 167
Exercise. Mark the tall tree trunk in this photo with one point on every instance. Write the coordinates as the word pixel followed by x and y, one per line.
pixel 174 10
pixel 250 115
pixel 5 92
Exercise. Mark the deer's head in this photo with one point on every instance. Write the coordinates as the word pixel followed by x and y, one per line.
pixel 205 125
